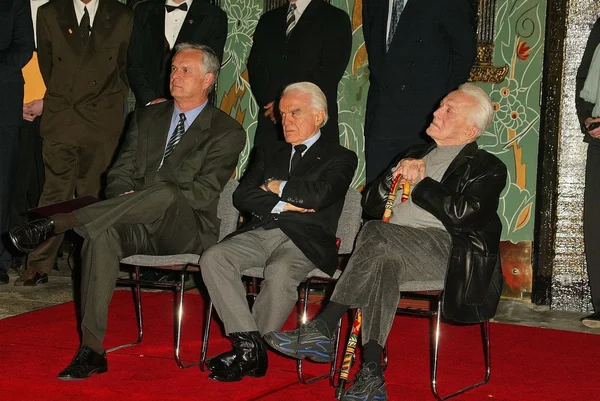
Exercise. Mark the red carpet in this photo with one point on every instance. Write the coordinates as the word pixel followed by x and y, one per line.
pixel 528 364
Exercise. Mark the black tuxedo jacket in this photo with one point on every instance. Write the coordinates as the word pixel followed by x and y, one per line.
pixel 320 181
pixel 432 53
pixel 200 165
pixel 317 51
pixel 466 202
pixel 16 48
pixel 149 57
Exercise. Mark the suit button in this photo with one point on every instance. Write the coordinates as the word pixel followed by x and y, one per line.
pixel 412 63
pixel 284 56
pixel 275 218
pixel 94 105
pixel 402 87
pixel 94 82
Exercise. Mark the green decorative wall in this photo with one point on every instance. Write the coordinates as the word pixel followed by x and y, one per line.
pixel 513 136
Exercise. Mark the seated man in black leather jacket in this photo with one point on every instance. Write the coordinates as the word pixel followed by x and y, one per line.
pixel 447 229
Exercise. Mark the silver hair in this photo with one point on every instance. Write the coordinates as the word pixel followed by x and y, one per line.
pixel 210 60
pixel 317 98
pixel 483 112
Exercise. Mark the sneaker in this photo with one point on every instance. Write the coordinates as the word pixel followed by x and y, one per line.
pixel 306 342
pixel 592 321
pixel 369 386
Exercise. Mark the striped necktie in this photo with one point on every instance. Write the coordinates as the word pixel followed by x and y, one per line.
pixel 176 137
pixel 396 11
pixel 290 21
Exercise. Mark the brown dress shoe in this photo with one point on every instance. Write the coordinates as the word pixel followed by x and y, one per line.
pixel 31 278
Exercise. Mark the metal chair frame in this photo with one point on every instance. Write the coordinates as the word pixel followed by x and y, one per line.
pixel 435 316
pixel 180 287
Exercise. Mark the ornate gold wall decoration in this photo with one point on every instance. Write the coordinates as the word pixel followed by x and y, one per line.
pixel 484 70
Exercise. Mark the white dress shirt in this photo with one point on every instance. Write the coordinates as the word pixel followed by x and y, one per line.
pixel 92 7
pixel 300 7
pixel 389 17
pixel 35 4
pixel 174 21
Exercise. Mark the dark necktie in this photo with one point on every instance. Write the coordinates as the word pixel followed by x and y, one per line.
pixel 84 26
pixel 176 137
pixel 290 21
pixel 297 156
pixel 396 11
pixel 182 7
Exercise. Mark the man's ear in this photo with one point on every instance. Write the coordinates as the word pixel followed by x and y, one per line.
pixel 209 79
pixel 470 134
pixel 320 117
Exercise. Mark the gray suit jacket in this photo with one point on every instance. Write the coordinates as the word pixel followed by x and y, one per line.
pixel 200 165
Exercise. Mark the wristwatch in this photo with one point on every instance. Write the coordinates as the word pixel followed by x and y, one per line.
pixel 266 184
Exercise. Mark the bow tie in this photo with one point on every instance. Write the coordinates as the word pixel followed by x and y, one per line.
pixel 182 7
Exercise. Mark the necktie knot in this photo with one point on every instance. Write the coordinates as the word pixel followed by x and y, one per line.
pixel 300 148
pixel 182 7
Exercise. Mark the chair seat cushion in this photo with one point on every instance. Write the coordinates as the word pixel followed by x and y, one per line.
pixel 166 262
pixel 433 285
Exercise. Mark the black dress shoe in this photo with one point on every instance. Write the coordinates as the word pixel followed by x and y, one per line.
pixel 85 363
pixel 250 358
pixel 27 237
pixel 222 361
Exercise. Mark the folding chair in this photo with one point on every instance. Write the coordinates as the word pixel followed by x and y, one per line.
pixel 182 264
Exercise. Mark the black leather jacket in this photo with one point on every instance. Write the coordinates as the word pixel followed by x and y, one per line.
pixel 465 201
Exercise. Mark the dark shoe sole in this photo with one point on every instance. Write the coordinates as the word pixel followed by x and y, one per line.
pixel 252 374
pixel 71 378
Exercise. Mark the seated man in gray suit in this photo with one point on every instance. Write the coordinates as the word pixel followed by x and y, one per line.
pixel 295 196
pixel 163 192
pixel 449 228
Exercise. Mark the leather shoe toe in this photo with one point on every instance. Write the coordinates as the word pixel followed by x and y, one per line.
pixel 31 278
pixel 85 363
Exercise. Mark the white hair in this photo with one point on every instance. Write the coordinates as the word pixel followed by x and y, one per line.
pixel 210 60
pixel 317 98
pixel 483 112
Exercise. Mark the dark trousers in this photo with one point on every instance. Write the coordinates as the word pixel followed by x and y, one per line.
pixel 591 222
pixel 29 177
pixel 156 220
pixel 70 171
pixel 9 148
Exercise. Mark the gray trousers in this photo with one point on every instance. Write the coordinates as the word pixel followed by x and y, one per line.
pixel 385 256
pixel 285 266
pixel 157 220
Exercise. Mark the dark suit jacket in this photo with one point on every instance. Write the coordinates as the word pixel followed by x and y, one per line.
pixel 149 56
pixel 317 51
pixel 432 53
pixel 16 48
pixel 86 86
pixel 584 109
pixel 200 165
pixel 466 202
pixel 320 181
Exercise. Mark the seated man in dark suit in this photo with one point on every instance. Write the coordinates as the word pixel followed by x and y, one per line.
pixel 295 196
pixel 163 192
pixel 448 228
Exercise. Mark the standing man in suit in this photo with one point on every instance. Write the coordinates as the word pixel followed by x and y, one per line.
pixel 303 40
pixel 16 47
pixel 163 192
pixel 82 53
pixel 157 28
pixel 418 52
pixel 295 196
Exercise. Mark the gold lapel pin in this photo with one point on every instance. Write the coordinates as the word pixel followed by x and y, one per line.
pixel 70 31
